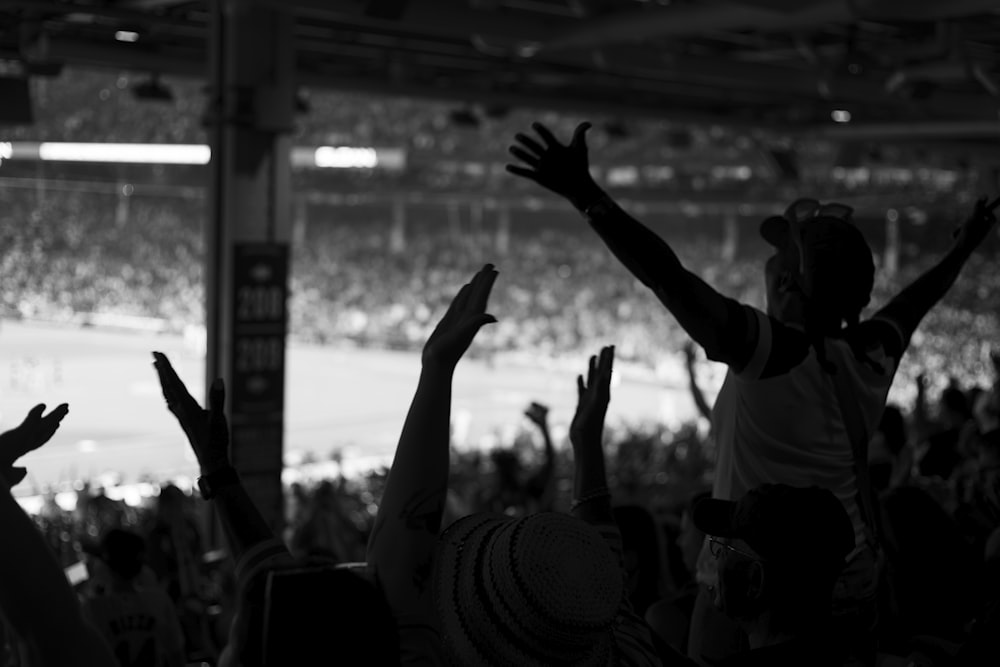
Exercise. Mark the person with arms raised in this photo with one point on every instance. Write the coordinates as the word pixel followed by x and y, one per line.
pixel 807 380
pixel 288 611
pixel 492 589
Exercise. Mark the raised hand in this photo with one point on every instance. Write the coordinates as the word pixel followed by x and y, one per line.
pixel 538 414
pixel 462 321
pixel 593 397
pixel 31 434
pixel 563 169
pixel 207 430
pixel 972 232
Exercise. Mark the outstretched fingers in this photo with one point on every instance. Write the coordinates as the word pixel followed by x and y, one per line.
pixel 174 390
pixel 580 134
pixel 546 135
pixel 523 172
pixel 606 366
pixel 482 286
pixel 529 143
pixel 530 159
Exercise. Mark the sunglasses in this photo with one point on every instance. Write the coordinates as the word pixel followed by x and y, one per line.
pixel 802 210
pixel 717 546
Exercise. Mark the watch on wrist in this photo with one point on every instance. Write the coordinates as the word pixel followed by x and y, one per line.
pixel 210 484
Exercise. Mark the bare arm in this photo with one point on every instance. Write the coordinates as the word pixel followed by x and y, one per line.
pixel 910 306
pixel 401 546
pixel 539 484
pixel 208 434
pixel 590 481
pixel 36 597
pixel 712 320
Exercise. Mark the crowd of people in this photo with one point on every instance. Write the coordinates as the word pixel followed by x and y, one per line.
pixel 816 524
pixel 563 290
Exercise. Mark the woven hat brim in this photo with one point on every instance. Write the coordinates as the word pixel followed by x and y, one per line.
pixel 476 631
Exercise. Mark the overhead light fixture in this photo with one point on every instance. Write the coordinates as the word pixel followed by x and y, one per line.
pixel 840 116
pixel 153 90
pixel 127 36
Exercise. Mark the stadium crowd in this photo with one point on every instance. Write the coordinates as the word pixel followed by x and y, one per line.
pixel 816 524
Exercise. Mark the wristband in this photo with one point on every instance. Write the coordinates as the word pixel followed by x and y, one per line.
pixel 210 484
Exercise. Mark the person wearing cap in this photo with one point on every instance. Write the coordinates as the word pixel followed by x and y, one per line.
pixel 780 551
pixel 807 379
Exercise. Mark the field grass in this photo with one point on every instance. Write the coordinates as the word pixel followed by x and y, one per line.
pixel 350 399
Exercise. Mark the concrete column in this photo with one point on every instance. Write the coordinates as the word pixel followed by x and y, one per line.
pixel 251 115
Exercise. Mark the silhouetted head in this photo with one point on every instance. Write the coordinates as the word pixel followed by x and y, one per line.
pixel 123 552
pixel 291 614
pixel 641 551
pixel 780 551
pixel 822 271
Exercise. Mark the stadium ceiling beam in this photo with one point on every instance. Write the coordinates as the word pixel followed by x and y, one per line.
pixel 565 101
pixel 439 17
pixel 146 5
pixel 746 85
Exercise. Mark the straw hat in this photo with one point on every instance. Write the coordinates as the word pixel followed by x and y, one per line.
pixel 544 589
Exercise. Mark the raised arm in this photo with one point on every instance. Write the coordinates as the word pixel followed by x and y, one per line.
pixel 247 533
pixel 715 322
pixel 910 306
pixel 539 484
pixel 35 597
pixel 586 432
pixel 401 546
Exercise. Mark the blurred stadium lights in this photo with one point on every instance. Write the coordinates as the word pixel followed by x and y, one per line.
pixel 345 157
pixel 840 116
pixel 126 153
pixel 324 157
pixel 127 36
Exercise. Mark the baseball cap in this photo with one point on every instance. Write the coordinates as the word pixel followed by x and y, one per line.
pixel 783 524
pixel 835 259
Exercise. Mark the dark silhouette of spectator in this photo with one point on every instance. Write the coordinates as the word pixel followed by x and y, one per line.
pixel 641 554
pixel 277 620
pixel 41 612
pixel 780 551
pixel 941 446
pixel 140 624
pixel 494 589
pixel 889 454
pixel 670 618
pixel 810 356
pixel 933 571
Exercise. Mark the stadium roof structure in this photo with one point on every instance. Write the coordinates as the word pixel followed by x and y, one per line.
pixel 837 68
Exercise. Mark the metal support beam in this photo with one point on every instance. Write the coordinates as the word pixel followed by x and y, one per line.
pixel 251 114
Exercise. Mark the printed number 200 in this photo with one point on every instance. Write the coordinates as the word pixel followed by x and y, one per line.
pixel 254 355
pixel 259 304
